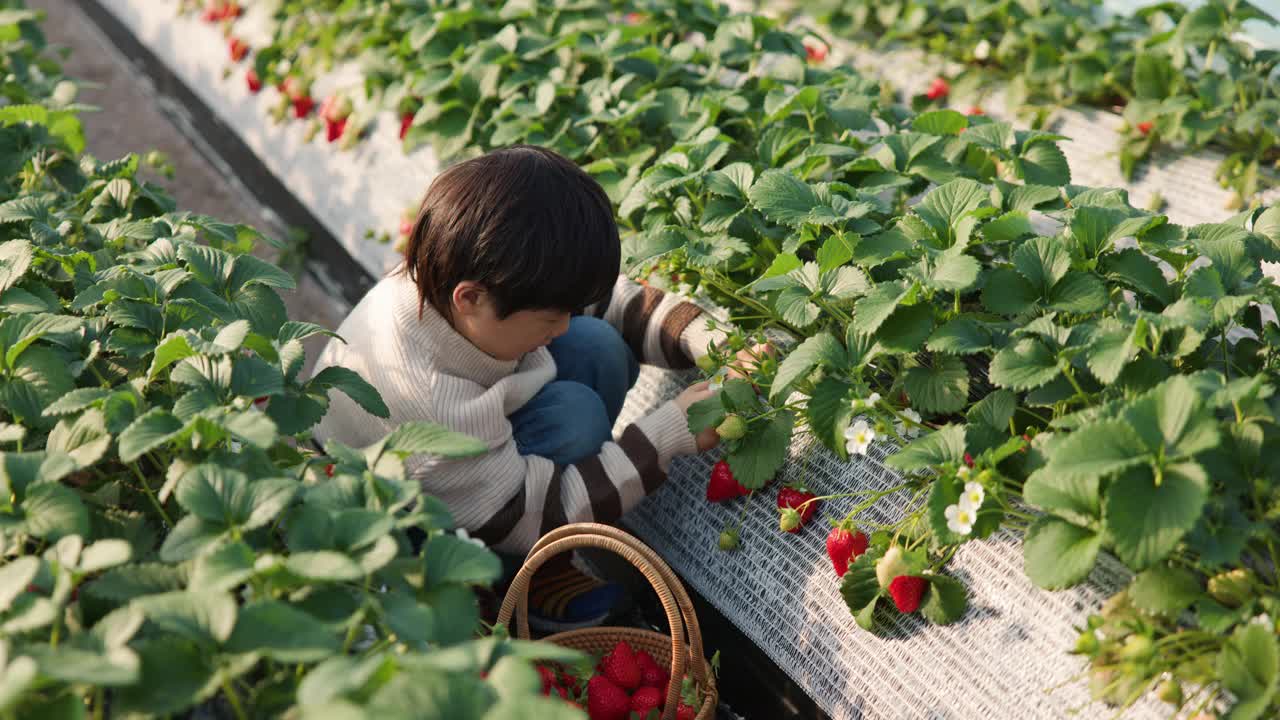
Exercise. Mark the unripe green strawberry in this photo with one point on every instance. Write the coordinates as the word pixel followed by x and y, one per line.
pixel 789 519
pixel 890 566
pixel 706 364
pixel 729 539
pixel 1087 643
pixel 1232 588
pixel 1171 692
pixel 1138 648
pixel 732 428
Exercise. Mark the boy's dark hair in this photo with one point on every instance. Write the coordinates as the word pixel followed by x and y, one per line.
pixel 526 223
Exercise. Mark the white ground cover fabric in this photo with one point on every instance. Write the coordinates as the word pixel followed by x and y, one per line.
pixel 1006 659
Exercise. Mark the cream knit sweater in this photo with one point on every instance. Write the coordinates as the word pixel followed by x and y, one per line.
pixel 425 370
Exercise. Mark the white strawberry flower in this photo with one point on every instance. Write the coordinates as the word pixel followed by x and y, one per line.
pixel 973 495
pixel 960 519
pixel 858 438
pixel 716 383
pixel 982 50
pixel 905 430
pixel 962 472
pixel 866 403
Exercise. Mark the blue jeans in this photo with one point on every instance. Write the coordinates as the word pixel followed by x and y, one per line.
pixel 572 416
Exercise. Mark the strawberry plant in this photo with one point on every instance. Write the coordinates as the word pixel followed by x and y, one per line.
pixel 1184 72
pixel 168 543
pixel 1036 356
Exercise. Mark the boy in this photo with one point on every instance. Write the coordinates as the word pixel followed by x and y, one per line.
pixel 508 321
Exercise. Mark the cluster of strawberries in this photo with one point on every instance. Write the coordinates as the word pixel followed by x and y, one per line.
pixel 625 684
pixel 844 542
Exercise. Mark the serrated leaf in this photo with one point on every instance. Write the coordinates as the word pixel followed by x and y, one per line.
pixel 942 388
pixel 1146 521
pixel 961 336
pixel 1045 164
pixel 783 198
pixel 906 329
pixel 859 586
pixel 1164 590
pixel 153 429
pixel 763 451
pixel 829 412
pixel 821 350
pixel 945 601
pixel 204 616
pixel 1079 293
pixel 52 511
pixel 355 387
pixel 450 559
pixel 1024 365
pixel 1249 664
pixel 427 438
pixel 1006 292
pixel 281 632
pixel 871 311
pixel 1057 554
pixel 940 447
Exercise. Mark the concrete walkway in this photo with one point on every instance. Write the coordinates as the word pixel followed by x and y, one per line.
pixel 135 118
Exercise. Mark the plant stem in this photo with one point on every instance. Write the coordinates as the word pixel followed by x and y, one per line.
pixel 146 488
pixel 232 696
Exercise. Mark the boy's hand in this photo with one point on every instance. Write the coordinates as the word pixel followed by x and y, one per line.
pixel 708 438
pixel 745 361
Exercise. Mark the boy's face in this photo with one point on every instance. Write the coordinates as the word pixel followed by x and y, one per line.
pixel 475 317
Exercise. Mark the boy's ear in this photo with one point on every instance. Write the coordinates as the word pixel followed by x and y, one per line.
pixel 467 297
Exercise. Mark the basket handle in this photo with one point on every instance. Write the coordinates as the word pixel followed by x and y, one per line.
pixel 517 598
pixel 691 626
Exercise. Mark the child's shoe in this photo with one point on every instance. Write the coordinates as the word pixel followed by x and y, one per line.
pixel 564 598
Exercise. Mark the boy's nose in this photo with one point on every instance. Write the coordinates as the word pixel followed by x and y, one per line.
pixel 562 327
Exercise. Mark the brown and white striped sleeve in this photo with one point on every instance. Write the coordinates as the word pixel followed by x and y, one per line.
pixel 661 328
pixel 510 500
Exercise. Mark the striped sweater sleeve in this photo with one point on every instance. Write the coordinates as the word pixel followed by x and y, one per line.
pixel 661 328
pixel 510 500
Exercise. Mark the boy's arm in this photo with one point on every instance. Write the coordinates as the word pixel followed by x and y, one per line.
pixel 510 500
pixel 661 328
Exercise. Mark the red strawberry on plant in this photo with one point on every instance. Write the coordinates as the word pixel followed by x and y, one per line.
pixel 646 700
pixel 1145 127
pixel 334 111
pixel 302 106
pixel 253 81
pixel 328 469
pixel 815 50
pixel 940 88
pixel 723 486
pixel 844 545
pixel 548 678
pixel 231 11
pixel 797 499
pixel 906 591
pixel 621 668
pixel 406 121
pixel 238 49
pixel 686 712
pixel 606 701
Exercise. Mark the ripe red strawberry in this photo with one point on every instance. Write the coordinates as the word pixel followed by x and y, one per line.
pixel 238 49
pixel 645 700
pixel 621 668
pixel 655 677
pixel 606 701
pixel 940 88
pixel 686 712
pixel 548 678
pixel 328 469
pixel 253 81
pixel 906 591
pixel 333 130
pixel 645 660
pixel 817 52
pixel 844 546
pixel 634 18
pixel 968 459
pixel 231 11
pixel 302 106
pixel 789 497
pixel 1145 127
pixel 406 121
pixel 722 485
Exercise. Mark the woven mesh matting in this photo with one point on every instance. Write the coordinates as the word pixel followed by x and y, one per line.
pixel 1002 660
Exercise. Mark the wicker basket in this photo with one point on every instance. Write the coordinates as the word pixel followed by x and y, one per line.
pixel 681 650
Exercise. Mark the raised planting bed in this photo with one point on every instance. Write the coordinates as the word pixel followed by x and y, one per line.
pixel 898 252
